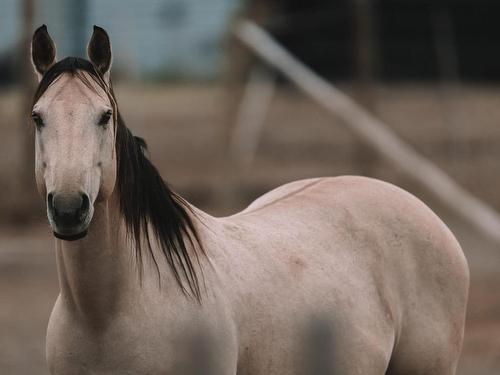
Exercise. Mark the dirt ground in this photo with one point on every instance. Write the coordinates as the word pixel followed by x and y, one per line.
pixel 184 126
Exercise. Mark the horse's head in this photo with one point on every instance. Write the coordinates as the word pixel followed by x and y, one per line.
pixel 74 114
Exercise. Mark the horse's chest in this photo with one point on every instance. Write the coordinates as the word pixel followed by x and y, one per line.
pixel 135 345
pixel 128 351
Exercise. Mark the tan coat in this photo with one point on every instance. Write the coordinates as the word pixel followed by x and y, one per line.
pixel 368 260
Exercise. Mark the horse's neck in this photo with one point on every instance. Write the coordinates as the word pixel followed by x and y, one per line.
pixel 95 273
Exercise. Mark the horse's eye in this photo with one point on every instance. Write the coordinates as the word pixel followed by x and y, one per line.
pixel 105 118
pixel 37 120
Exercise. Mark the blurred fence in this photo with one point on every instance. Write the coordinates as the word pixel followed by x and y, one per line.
pixel 373 132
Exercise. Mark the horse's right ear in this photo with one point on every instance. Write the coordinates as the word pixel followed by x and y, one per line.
pixel 43 51
pixel 99 51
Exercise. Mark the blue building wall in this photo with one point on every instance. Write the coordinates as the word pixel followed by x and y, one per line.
pixel 10 25
pixel 149 38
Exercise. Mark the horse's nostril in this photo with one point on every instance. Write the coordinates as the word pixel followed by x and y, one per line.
pixel 50 201
pixel 85 203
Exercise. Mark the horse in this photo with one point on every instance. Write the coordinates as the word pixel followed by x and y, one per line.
pixel 150 284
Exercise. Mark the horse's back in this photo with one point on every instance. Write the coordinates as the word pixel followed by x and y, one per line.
pixel 370 254
pixel 349 215
pixel 281 192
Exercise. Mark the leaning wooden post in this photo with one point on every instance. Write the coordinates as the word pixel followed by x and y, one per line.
pixel 238 70
pixel 252 112
pixel 373 131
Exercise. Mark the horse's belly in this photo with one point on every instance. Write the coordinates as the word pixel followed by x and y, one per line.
pixel 326 339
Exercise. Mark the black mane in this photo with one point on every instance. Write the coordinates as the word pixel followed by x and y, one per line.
pixel 149 207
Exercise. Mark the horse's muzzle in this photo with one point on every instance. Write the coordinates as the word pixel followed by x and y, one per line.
pixel 68 215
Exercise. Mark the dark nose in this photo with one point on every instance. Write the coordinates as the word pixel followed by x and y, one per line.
pixel 68 210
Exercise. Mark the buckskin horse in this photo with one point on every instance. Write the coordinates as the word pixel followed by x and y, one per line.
pixel 144 275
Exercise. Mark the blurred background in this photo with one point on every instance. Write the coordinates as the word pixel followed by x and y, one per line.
pixel 223 127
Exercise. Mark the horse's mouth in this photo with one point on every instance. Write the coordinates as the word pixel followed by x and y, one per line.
pixel 70 237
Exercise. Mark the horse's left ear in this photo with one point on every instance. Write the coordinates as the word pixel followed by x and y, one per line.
pixel 99 51
pixel 43 51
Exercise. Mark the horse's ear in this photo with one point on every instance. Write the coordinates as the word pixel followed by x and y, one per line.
pixel 99 51
pixel 43 51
